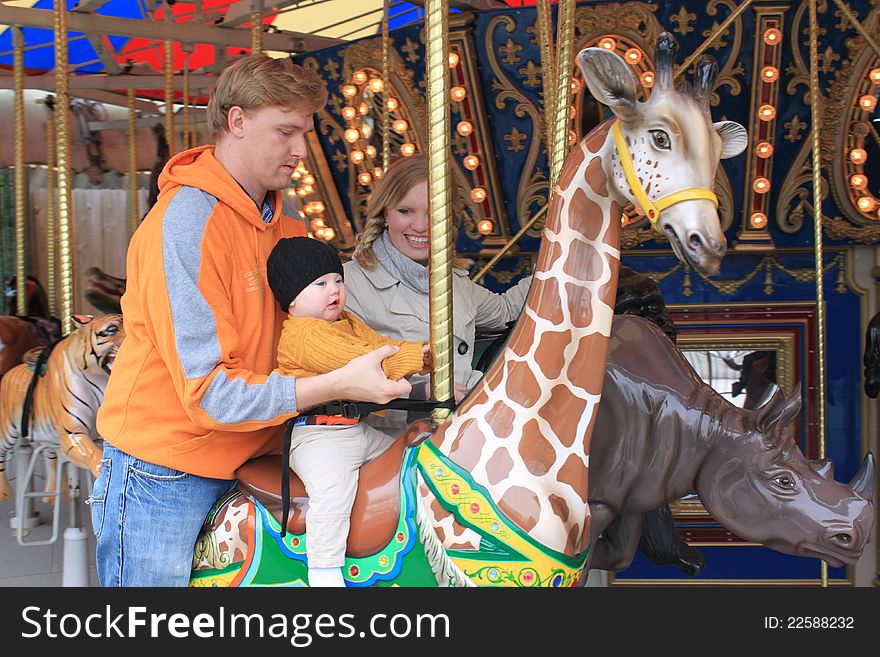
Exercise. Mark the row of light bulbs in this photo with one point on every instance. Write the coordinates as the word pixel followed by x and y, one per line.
pixel 766 113
pixel 313 210
pixel 865 201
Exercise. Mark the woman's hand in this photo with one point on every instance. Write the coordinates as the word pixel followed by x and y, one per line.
pixel 459 392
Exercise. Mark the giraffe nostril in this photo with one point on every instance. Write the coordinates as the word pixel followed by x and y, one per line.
pixel 695 241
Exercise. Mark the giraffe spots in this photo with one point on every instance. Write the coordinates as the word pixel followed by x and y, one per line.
pixel 612 235
pixel 536 451
pixel 559 506
pixel 441 534
pixel 584 541
pixel 437 509
pixel 563 412
pixel 468 445
pixel 581 215
pixel 584 262
pixel 522 339
pixel 521 505
pixel 550 354
pixel 500 418
pixel 595 176
pixel 584 370
pixel 554 251
pixel 596 139
pixel 522 387
pixel 569 169
pixel 574 473
pixel 547 302
pixel 579 305
pixel 499 465
pixel 572 539
pixel 494 376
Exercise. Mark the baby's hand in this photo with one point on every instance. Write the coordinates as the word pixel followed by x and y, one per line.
pixel 427 356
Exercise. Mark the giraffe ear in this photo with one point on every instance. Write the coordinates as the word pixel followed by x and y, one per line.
pixel 610 80
pixel 733 137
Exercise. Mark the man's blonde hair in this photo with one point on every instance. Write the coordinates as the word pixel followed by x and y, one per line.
pixel 258 80
pixel 402 175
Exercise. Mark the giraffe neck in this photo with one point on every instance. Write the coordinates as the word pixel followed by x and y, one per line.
pixel 524 432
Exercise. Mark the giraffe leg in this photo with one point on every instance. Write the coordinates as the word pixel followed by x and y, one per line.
pixel 82 451
pixel 615 550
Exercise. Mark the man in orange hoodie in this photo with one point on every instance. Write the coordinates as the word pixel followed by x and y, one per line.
pixel 193 394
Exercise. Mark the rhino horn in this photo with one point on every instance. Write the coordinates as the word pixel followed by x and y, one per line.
pixel 824 467
pixel 863 481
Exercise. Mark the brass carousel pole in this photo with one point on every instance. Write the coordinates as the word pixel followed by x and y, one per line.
pixel 544 23
pixel 815 119
pixel 51 227
pixel 439 192
pixel 20 178
pixel 133 210
pixel 386 87
pixel 560 104
pixel 257 25
pixel 62 113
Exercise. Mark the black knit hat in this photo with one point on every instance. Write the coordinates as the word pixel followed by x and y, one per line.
pixel 295 263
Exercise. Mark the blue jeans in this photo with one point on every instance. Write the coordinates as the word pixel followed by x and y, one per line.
pixel 147 518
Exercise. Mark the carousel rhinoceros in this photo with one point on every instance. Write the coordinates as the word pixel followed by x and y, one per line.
pixel 662 433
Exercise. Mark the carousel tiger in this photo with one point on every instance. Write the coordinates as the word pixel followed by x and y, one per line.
pixel 66 397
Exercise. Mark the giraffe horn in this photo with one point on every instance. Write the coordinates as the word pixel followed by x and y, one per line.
pixel 704 79
pixel 664 60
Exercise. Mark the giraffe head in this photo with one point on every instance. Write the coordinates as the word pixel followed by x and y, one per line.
pixel 674 147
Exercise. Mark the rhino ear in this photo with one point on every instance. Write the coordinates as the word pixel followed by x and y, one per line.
pixel 778 412
pixel 823 467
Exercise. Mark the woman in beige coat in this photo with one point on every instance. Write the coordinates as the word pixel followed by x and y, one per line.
pixel 387 279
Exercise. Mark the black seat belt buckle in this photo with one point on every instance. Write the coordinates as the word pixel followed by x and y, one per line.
pixel 350 410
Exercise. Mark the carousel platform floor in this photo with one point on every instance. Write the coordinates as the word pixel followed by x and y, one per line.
pixel 39 565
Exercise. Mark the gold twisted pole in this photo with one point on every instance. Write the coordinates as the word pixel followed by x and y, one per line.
pixel 544 24
pixel 51 228
pixel 169 97
pixel 65 219
pixel 561 119
pixel 439 186
pixel 20 239
pixel 386 87
pixel 133 210
pixel 815 118
pixel 257 26
pixel 708 42
pixel 513 240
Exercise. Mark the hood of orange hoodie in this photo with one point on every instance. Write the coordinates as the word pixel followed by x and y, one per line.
pixel 197 167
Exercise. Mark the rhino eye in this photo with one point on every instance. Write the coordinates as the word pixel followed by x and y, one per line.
pixel 785 481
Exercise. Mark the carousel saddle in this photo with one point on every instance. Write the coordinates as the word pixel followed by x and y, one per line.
pixel 376 509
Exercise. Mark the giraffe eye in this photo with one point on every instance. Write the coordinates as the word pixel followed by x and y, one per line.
pixel 661 139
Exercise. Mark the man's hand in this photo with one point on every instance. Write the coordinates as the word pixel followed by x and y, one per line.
pixel 459 392
pixel 363 379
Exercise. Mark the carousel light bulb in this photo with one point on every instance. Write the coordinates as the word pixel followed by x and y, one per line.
pixel 867 102
pixel 349 112
pixel 308 180
pixel 351 135
pixel 464 128
pixel 399 125
pixel 291 193
pixel 296 175
pixel 866 203
pixel 769 74
pixel 485 226
pixel 371 150
pixel 377 172
pixel 758 220
pixel 365 178
pixel 874 75
pixel 457 94
pixel 318 222
pixel 363 109
pixel 764 149
pixel 329 233
pixel 356 156
pixel 377 85
pixel 572 137
pixel 858 155
pixel 761 185
pixel 471 162
pixel 407 149
pixel 608 43
pixel 317 206
pixel 858 181
pixel 453 59
pixel 302 191
pixel 575 85
pixel 648 79
pixel 366 131
pixel 633 56
pixel 308 189
pixel 772 36
pixel 392 104
pixel 766 112
pixel 349 90
pixel 478 194
pixel 359 77
pixel 320 232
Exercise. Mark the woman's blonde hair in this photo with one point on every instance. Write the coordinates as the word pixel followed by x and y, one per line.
pixel 402 175
pixel 258 80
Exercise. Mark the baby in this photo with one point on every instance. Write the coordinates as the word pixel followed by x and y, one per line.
pixel 305 276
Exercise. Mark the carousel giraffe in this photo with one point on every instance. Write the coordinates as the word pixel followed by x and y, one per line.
pixel 506 474
pixel 524 431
